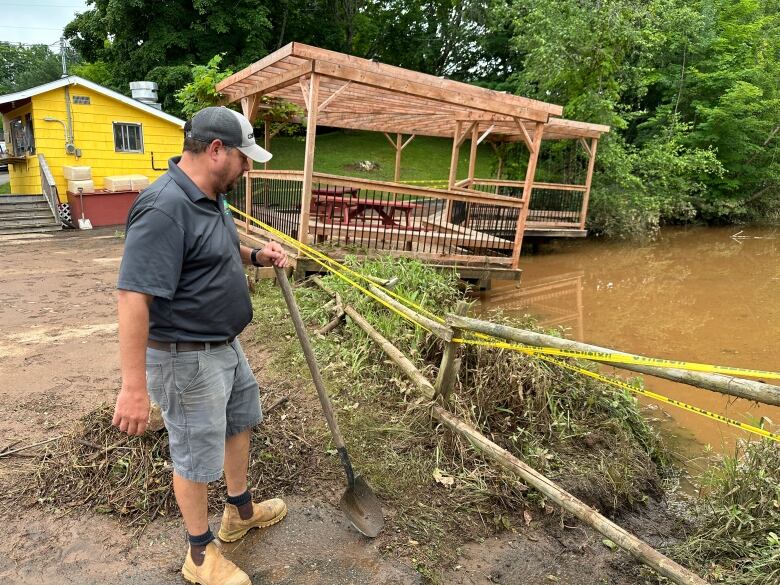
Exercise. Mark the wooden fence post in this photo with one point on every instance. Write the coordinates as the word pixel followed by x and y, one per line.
pixel 450 364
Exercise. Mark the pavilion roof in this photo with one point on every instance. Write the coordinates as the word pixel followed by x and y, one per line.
pixel 361 94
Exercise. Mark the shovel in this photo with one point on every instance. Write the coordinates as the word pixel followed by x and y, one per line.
pixel 84 224
pixel 358 502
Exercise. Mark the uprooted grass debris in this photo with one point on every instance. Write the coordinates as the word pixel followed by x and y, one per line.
pixel 99 468
pixel 736 519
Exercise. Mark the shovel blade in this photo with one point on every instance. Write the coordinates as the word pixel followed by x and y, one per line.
pixel 362 508
pixel 85 224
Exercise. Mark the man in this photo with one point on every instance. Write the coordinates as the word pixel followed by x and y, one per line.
pixel 183 298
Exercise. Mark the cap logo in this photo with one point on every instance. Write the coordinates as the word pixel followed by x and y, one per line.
pixel 251 136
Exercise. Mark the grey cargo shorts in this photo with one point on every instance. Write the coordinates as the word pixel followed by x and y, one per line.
pixel 205 397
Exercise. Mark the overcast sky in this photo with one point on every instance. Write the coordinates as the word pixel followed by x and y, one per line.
pixel 37 21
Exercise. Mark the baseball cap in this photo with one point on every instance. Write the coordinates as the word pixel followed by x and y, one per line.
pixel 232 128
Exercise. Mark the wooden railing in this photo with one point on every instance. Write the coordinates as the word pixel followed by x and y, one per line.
pixel 49 187
pixel 556 205
pixel 364 214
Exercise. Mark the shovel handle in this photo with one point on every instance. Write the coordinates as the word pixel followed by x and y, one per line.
pixel 303 337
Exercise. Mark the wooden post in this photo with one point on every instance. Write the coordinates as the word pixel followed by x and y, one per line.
pixel 473 153
pixel 247 200
pixel 594 142
pixel 748 389
pixel 454 157
pixel 450 364
pixel 397 157
pixel 625 540
pixel 308 163
pixel 527 189
pixel 453 168
pixel 267 139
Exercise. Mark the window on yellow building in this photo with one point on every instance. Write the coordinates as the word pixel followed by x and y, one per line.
pixel 22 137
pixel 128 137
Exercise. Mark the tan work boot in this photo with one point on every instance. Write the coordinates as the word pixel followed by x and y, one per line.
pixel 265 514
pixel 215 570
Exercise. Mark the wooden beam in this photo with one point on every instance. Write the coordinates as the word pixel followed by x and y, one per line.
pixel 333 96
pixel 394 84
pixel 274 83
pixel 249 107
pixel 585 146
pixel 398 149
pixel 594 142
pixel 466 132
pixel 405 144
pixel 428 82
pixel 473 152
pixel 224 85
pixel 627 541
pixel 527 189
pixel 390 140
pixel 453 177
pixel 267 139
pixel 305 93
pixel 308 163
pixel 752 390
pixel 247 200
pixel 526 137
pixel 485 134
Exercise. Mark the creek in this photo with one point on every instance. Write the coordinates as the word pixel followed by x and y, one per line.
pixel 708 295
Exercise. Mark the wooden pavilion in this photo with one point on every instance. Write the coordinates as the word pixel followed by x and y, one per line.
pixel 476 223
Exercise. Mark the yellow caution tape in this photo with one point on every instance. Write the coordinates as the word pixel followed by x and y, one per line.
pixel 340 270
pixel 423 181
pixel 620 384
pixel 328 264
pixel 635 360
pixel 666 400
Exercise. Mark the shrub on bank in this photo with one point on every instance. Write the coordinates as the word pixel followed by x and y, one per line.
pixel 736 535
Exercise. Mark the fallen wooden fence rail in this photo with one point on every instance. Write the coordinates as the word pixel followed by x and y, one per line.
pixel 739 387
pixel 627 541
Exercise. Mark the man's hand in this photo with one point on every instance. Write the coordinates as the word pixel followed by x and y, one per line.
pixel 131 413
pixel 274 252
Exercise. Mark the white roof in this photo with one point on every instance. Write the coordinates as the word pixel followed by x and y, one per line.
pixel 75 80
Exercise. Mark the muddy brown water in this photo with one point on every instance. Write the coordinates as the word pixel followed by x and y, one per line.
pixel 707 295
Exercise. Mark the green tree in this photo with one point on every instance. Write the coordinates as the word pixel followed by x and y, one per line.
pixel 25 66
pixel 136 37
pixel 200 92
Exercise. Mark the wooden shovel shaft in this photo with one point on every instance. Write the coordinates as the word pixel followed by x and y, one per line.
pixel 303 337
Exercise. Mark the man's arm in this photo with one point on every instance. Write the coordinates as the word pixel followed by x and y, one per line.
pixel 272 254
pixel 131 412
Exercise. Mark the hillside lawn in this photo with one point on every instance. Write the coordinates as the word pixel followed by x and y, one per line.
pixel 424 159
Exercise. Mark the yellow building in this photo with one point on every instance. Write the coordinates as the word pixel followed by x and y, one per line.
pixel 75 122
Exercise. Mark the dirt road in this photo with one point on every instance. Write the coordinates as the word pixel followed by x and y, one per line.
pixel 59 351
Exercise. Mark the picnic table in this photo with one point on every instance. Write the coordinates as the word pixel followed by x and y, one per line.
pixel 344 205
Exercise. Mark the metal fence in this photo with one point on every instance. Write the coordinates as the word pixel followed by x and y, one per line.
pixel 361 215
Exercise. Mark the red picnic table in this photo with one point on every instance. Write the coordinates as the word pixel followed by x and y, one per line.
pixel 345 206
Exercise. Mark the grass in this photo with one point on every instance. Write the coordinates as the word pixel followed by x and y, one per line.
pixel 5 189
pixel 425 158
pixel 736 539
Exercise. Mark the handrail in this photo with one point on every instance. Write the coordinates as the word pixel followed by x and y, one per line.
pixel 371 184
pixel 49 187
pixel 508 183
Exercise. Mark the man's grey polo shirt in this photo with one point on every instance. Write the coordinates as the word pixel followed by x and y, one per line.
pixel 183 249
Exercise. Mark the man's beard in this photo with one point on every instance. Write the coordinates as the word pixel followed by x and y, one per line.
pixel 227 183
